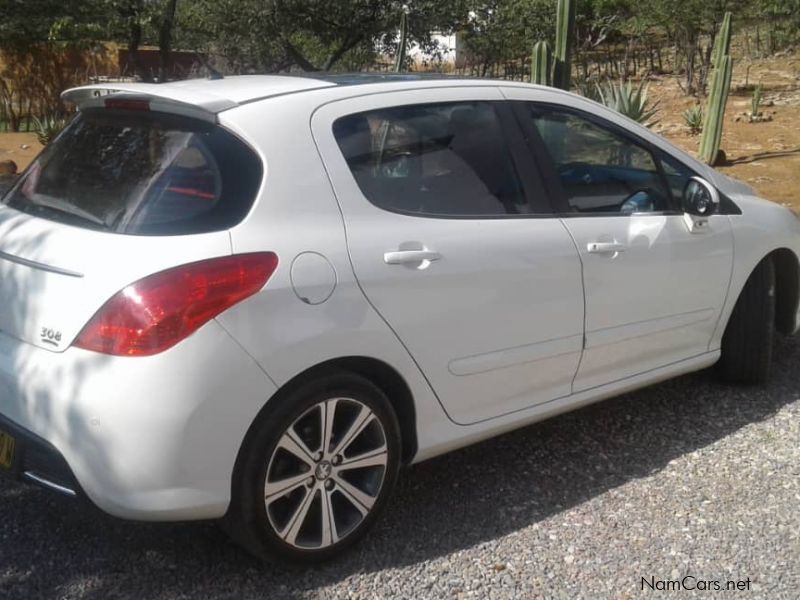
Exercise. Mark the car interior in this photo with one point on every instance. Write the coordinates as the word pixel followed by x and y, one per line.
pixel 434 159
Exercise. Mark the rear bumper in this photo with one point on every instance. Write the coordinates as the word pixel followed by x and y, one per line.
pixel 37 461
pixel 148 438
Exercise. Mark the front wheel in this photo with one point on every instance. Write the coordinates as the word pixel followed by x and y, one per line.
pixel 316 470
pixel 748 339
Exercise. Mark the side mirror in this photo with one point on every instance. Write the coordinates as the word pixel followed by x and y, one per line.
pixel 700 198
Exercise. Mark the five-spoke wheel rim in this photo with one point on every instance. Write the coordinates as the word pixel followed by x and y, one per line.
pixel 325 473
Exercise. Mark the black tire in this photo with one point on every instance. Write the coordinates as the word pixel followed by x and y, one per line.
pixel 247 520
pixel 748 340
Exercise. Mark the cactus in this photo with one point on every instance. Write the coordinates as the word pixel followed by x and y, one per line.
pixel 715 115
pixel 565 35
pixel 755 103
pixel 720 87
pixel 399 62
pixel 723 43
pixel 541 63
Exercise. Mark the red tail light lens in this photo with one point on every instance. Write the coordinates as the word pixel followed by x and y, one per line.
pixel 127 104
pixel 157 312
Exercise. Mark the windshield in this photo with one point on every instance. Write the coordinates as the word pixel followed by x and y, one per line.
pixel 145 174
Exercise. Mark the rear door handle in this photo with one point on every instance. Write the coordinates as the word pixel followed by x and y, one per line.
pixel 605 247
pixel 404 257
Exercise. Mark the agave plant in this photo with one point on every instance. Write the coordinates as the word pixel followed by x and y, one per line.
pixel 47 128
pixel 629 100
pixel 587 88
pixel 693 118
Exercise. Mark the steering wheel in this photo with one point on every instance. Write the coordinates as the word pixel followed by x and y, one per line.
pixel 578 169
pixel 637 202
pixel 585 171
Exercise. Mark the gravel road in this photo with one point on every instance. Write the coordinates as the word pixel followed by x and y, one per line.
pixel 684 478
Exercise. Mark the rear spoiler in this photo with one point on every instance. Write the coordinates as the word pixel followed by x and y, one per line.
pixel 158 98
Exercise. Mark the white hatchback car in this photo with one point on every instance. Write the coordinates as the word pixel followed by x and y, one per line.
pixel 257 297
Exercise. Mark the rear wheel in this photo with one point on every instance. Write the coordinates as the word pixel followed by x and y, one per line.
pixel 748 340
pixel 316 471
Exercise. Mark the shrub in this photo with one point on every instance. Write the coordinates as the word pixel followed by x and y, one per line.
pixel 587 88
pixel 694 119
pixel 47 128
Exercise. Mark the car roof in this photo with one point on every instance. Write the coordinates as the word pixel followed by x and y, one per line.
pixel 206 98
pixel 216 94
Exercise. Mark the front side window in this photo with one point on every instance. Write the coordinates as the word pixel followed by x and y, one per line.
pixel 677 175
pixel 601 171
pixel 435 159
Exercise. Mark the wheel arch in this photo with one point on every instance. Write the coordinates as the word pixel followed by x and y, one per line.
pixel 396 389
pixel 376 371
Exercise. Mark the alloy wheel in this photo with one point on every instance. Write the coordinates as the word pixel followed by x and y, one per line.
pixel 325 473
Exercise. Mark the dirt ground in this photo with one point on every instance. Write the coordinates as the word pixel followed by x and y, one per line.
pixel 765 155
pixel 21 148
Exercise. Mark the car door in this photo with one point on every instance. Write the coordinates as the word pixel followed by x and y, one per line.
pixel 455 246
pixel 654 284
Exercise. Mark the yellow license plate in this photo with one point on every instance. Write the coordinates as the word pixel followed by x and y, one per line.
pixel 7 446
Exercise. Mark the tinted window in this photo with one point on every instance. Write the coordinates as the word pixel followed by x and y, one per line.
pixel 678 176
pixel 442 159
pixel 146 174
pixel 600 170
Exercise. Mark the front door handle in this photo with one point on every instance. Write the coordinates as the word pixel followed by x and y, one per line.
pixel 605 247
pixel 404 257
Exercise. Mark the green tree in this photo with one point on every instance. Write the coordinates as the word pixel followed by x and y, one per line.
pixel 782 20
pixel 165 32
pixel 312 35
pixel 75 22
pixel 692 25
pixel 498 33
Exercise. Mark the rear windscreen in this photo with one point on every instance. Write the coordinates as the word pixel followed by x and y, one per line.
pixel 141 173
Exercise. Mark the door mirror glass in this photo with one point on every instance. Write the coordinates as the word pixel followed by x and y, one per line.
pixel 700 198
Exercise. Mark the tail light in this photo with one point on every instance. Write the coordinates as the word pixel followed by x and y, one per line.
pixel 127 104
pixel 157 312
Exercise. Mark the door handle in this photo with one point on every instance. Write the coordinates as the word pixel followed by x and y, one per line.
pixel 404 257
pixel 605 247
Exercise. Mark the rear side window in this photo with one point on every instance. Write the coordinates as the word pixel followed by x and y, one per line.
pixel 434 159
pixel 142 174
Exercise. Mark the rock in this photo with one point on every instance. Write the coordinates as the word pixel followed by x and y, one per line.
pixel 8 167
pixel 25 146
